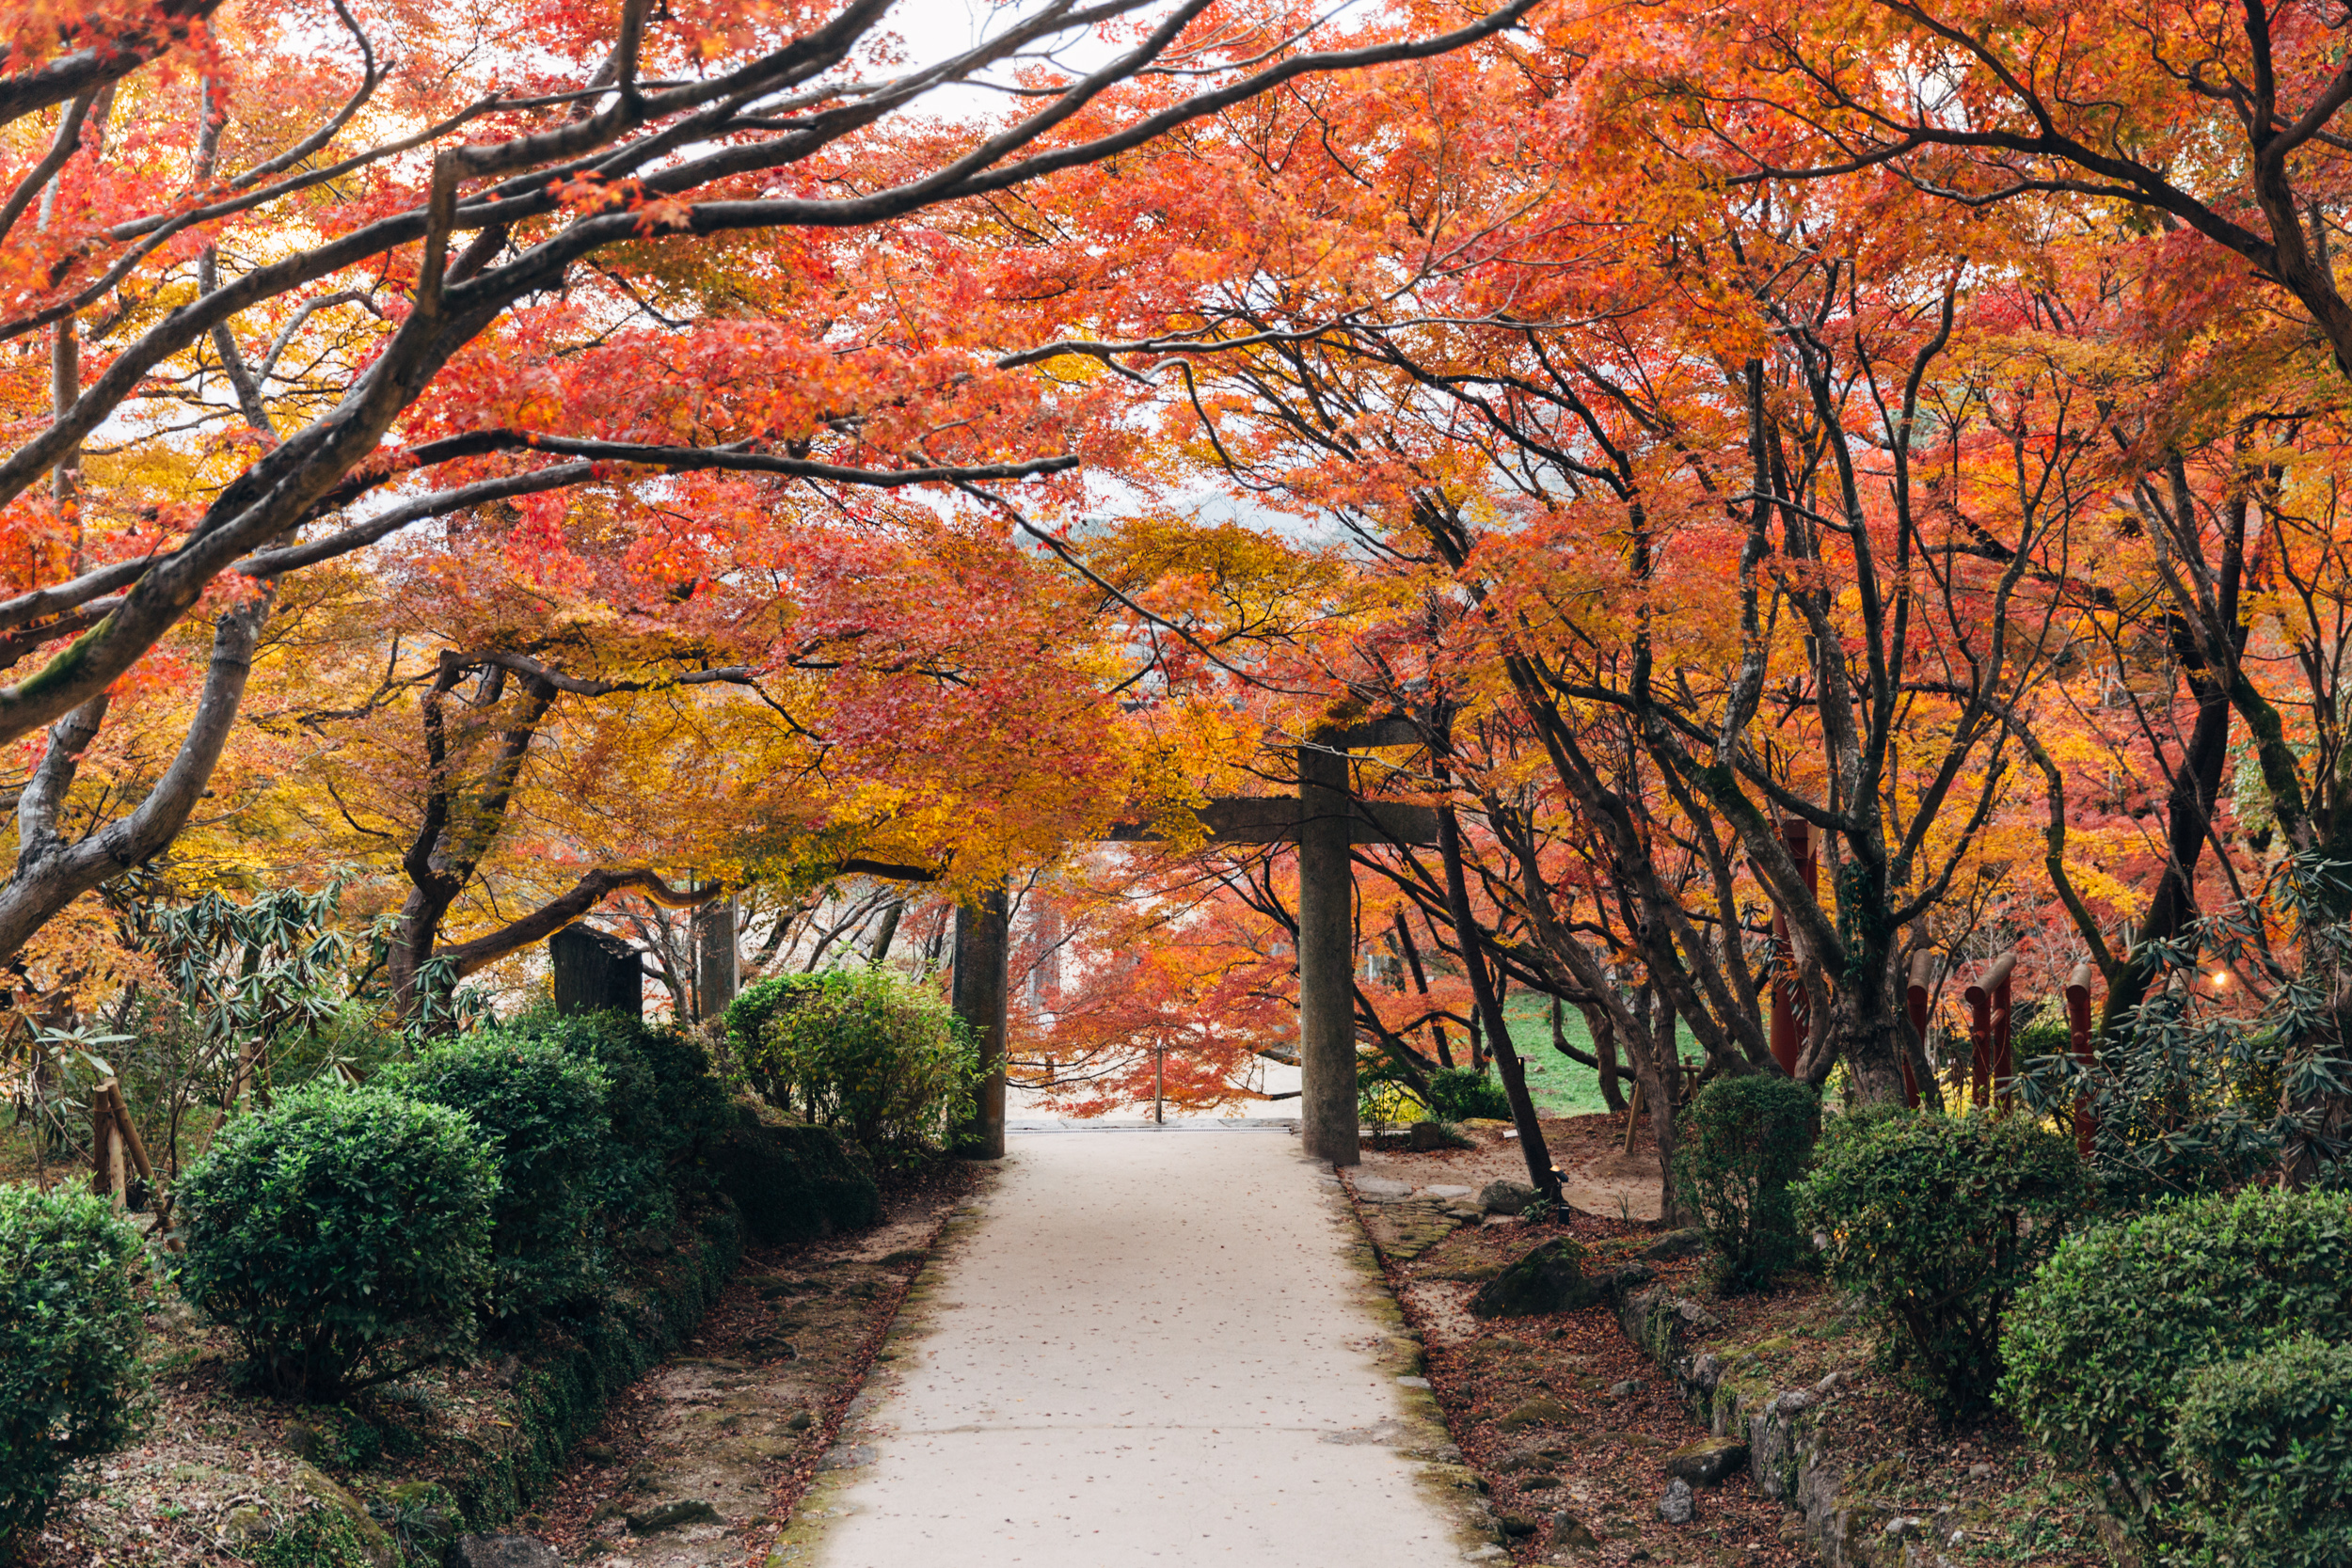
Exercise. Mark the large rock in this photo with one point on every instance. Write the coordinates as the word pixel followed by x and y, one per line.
pixel 1380 1189
pixel 502 1551
pixel 1505 1198
pixel 795 1182
pixel 1677 1244
pixel 1550 1278
pixel 1708 1461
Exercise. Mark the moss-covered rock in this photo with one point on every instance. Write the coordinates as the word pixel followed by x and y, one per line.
pixel 1550 1278
pixel 422 1515
pixel 795 1182
pixel 318 1525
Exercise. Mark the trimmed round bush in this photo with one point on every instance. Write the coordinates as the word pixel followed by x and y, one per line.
pixel 1940 1220
pixel 1465 1094
pixel 542 1113
pixel 2264 1451
pixel 2102 1344
pixel 666 1108
pixel 343 1237
pixel 1743 1141
pixel 795 1182
pixel 872 1053
pixel 70 1336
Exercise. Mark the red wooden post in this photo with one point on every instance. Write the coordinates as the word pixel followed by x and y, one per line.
pixel 1916 1000
pixel 2078 1028
pixel 2004 1058
pixel 1980 1003
pixel 1788 991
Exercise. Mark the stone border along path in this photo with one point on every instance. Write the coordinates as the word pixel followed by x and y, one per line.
pixel 1148 1348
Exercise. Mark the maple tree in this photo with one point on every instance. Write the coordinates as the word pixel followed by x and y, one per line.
pixel 406 276
pixel 1706 430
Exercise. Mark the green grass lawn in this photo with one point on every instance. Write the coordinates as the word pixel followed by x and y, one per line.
pixel 1563 1087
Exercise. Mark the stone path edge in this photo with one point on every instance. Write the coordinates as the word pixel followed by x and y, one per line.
pixel 1450 1484
pixel 914 1320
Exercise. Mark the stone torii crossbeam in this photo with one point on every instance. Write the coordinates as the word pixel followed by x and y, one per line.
pixel 1325 819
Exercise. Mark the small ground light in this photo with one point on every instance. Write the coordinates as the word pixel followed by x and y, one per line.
pixel 1560 1202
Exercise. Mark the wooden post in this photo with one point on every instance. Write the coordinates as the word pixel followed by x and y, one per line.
pixel 597 971
pixel 106 1146
pixel 2078 1033
pixel 1915 1004
pixel 1788 988
pixel 1991 986
pixel 1326 959
pixel 983 946
pixel 718 974
pixel 2004 1058
pixel 132 1143
pixel 1979 1045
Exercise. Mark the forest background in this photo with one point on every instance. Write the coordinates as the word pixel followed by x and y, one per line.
pixel 454 488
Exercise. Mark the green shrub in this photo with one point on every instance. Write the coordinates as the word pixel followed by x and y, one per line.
pixel 2264 1451
pixel 342 1237
pixel 544 1116
pixel 70 1333
pixel 2101 1345
pixel 797 1183
pixel 666 1107
pixel 873 1053
pixel 1940 1220
pixel 1744 1140
pixel 746 1020
pixel 1464 1094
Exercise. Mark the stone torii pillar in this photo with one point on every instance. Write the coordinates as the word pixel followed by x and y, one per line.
pixel 979 987
pixel 1325 819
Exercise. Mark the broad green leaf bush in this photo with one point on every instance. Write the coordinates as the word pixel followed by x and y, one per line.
pixel 1744 1141
pixel 542 1113
pixel 745 1021
pixel 1464 1094
pixel 2103 1344
pixel 343 1237
pixel 1940 1220
pixel 873 1054
pixel 2192 1094
pixel 2264 1451
pixel 70 1336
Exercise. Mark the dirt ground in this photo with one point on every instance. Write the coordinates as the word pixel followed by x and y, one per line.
pixel 700 1462
pixel 1597 1175
pixel 1565 1420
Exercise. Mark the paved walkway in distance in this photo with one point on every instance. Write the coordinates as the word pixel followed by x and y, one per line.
pixel 1152 1346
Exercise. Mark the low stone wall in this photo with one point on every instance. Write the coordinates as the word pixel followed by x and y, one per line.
pixel 1790 1435
pixel 561 1396
pixel 480 1478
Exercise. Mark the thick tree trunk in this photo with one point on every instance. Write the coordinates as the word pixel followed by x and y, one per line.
pixel 2188 810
